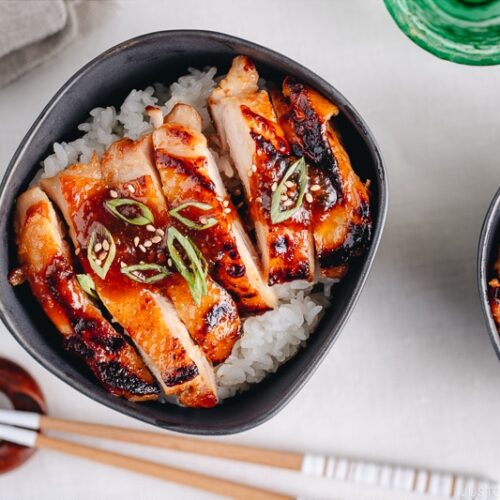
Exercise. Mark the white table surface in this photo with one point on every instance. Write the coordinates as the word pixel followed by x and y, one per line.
pixel 413 378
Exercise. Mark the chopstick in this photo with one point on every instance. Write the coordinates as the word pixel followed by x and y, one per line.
pixel 192 479
pixel 407 479
pixel 283 459
pixel 211 448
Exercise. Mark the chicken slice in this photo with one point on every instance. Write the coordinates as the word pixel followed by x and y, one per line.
pixel 147 316
pixel 340 201
pixel 191 179
pixel 213 322
pixel 46 261
pixel 249 131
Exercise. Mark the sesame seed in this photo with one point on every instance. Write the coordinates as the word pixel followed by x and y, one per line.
pixel 105 245
pixel 254 168
pixel 258 199
pixel 203 220
pixel 136 241
pixel 315 187
pixel 77 251
pixel 113 194
pixel 156 239
pixel 288 203
pixel 169 262
pixel 274 187
pixel 160 232
pixel 309 197
pixel 227 210
pixel 250 173
pixel 147 243
pixel 131 188
pixel 142 248
pixel 97 248
pixel 150 228
pixel 225 203
pixel 289 184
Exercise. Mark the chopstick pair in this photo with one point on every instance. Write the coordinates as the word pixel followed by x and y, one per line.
pixel 410 480
pixel 23 428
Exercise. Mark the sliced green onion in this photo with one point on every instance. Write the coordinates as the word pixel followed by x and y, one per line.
pixel 278 215
pixel 146 216
pixel 137 272
pixel 100 234
pixel 211 221
pixel 87 284
pixel 196 274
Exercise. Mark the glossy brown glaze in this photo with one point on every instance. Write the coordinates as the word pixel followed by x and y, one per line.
pixel 213 323
pixel 250 132
pixel 25 395
pixel 47 263
pixel 494 293
pixel 288 242
pixel 339 200
pixel 146 315
pixel 185 175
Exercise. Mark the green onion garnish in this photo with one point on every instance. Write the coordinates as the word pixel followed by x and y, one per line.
pixel 87 284
pixel 145 217
pixel 278 215
pixel 175 212
pixel 98 236
pixel 196 274
pixel 139 272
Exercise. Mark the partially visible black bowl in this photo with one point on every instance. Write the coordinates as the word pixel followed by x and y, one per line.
pixel 489 243
pixel 136 63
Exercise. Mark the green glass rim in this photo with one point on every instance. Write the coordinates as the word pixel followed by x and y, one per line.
pixel 472 39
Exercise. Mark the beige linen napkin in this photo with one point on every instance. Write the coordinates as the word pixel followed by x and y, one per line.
pixel 32 31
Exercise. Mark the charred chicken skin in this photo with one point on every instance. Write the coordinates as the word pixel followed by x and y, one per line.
pixel 47 264
pixel 200 206
pixel 273 182
pixel 338 199
pixel 126 281
pixel 211 318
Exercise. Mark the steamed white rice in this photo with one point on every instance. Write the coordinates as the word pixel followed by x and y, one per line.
pixel 267 340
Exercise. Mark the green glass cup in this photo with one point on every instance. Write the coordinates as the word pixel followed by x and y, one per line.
pixel 463 31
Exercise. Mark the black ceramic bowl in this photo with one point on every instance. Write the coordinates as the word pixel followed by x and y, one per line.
pixel 106 80
pixel 489 243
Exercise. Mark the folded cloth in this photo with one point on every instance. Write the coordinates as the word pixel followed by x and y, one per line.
pixel 32 31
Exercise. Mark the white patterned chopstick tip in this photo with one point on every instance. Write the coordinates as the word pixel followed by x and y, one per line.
pixel 26 419
pixel 16 435
pixel 408 479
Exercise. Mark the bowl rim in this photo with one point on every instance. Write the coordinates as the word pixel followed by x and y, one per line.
pixel 488 235
pixel 382 185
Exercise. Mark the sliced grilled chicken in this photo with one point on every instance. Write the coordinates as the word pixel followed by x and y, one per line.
pixel 494 300
pixel 249 131
pixel 494 294
pixel 46 261
pixel 200 206
pixel 132 298
pixel 340 201
pixel 213 319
